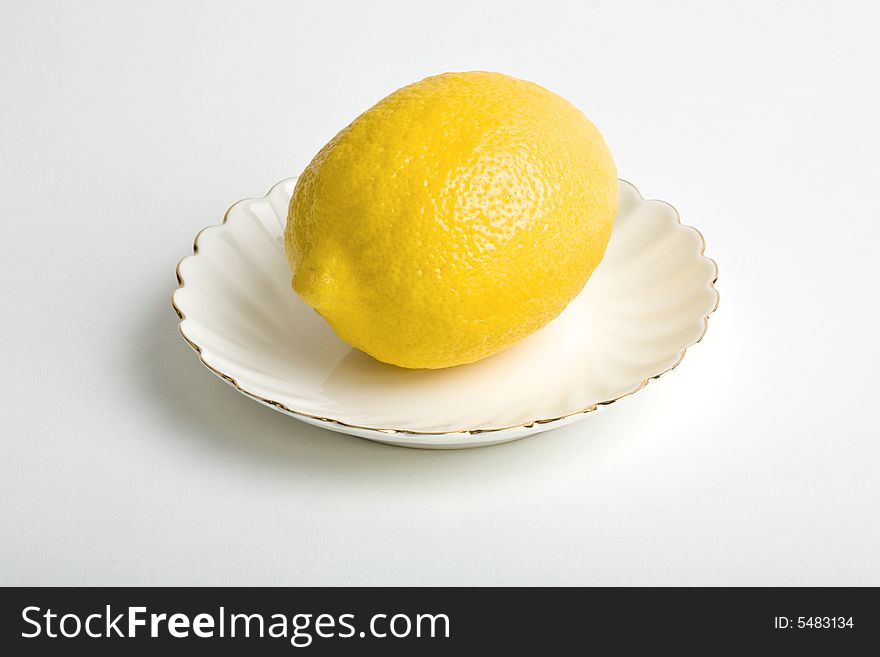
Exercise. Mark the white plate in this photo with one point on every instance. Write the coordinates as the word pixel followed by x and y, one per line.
pixel 642 308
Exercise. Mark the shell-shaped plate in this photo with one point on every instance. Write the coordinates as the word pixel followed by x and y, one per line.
pixel 646 303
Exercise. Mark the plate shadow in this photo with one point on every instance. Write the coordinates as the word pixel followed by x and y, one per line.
pixel 207 410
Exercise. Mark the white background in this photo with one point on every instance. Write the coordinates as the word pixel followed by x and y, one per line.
pixel 126 127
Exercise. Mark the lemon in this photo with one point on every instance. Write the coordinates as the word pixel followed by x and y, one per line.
pixel 451 219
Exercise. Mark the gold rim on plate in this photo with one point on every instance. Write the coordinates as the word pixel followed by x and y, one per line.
pixel 463 432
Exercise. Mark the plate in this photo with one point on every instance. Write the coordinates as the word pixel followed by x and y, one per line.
pixel 646 303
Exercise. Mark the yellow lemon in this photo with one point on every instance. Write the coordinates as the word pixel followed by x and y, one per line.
pixel 451 219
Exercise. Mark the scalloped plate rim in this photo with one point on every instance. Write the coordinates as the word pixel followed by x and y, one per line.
pixel 415 438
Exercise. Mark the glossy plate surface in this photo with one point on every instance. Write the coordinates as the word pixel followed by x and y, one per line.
pixel 643 307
